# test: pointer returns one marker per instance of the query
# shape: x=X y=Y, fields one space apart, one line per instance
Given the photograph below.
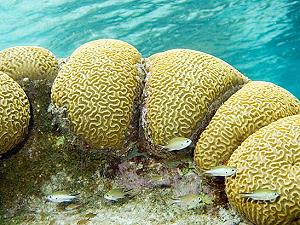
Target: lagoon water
x=259 y=38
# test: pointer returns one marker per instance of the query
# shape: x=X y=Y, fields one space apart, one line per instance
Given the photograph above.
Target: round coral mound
x=99 y=86
x=269 y=158
x=14 y=113
x=28 y=62
x=256 y=105
x=181 y=86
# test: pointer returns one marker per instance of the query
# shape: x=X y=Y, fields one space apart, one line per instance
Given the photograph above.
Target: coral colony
x=112 y=97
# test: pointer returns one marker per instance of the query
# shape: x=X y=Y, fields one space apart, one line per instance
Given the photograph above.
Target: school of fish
x=190 y=199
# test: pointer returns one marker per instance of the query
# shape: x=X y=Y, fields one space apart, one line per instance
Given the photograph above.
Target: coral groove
x=269 y=158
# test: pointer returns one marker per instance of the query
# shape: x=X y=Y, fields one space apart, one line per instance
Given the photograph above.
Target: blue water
x=259 y=38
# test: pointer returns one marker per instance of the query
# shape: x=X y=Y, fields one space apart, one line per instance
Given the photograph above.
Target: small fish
x=221 y=171
x=72 y=206
x=159 y=181
x=261 y=194
x=83 y=222
x=90 y=215
x=188 y=199
x=62 y=196
x=116 y=194
x=178 y=143
x=206 y=200
x=156 y=178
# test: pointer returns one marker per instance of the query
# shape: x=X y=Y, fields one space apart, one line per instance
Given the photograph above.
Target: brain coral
x=269 y=158
x=14 y=113
x=256 y=105
x=99 y=87
x=28 y=61
x=180 y=87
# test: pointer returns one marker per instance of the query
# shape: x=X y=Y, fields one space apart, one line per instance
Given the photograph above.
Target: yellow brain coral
x=14 y=113
x=256 y=105
x=28 y=61
x=99 y=87
x=269 y=158
x=180 y=87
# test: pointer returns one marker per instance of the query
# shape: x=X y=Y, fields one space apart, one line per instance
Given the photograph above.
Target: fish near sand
x=188 y=199
x=156 y=178
x=221 y=171
x=116 y=194
x=62 y=196
x=261 y=194
x=177 y=143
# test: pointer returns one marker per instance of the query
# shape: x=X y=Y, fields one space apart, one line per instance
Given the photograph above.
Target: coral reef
x=254 y=106
x=180 y=88
x=99 y=87
x=28 y=62
x=14 y=113
x=128 y=107
x=269 y=158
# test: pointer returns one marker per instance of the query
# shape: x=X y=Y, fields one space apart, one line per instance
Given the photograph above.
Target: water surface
x=259 y=38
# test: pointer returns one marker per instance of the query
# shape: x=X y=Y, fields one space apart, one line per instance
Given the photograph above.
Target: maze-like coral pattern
x=14 y=113
x=269 y=158
x=84 y=59
x=256 y=105
x=99 y=86
x=181 y=85
x=28 y=61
